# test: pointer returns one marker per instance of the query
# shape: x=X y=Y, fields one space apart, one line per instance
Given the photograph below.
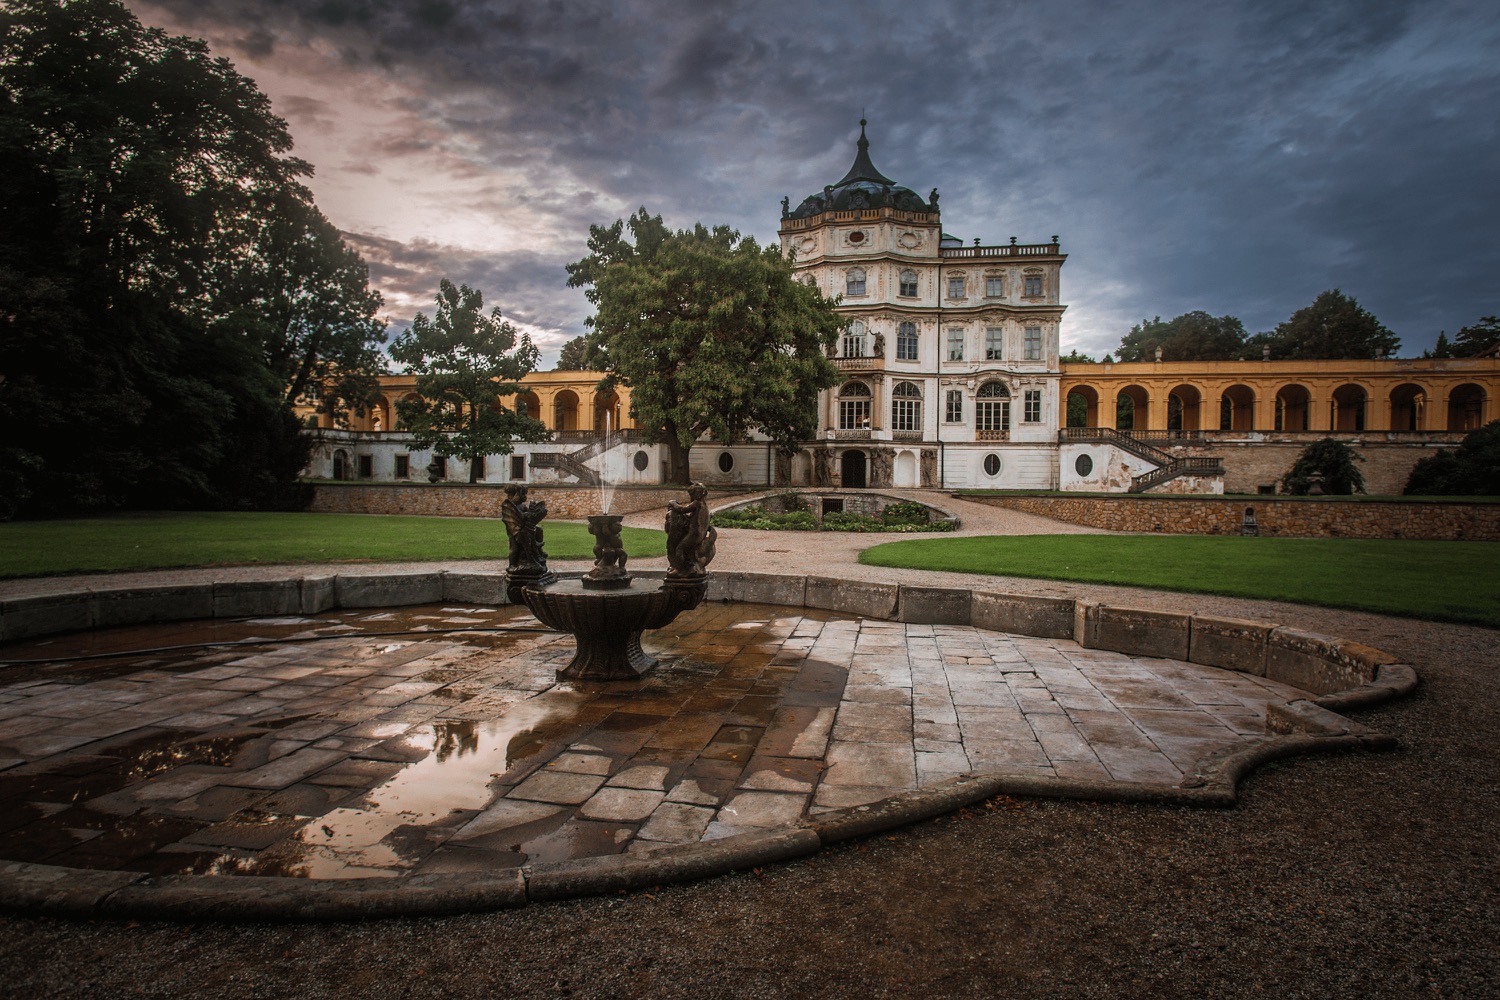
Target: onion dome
x=863 y=187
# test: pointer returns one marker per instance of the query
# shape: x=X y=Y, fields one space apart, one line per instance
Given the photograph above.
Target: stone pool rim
x=1340 y=674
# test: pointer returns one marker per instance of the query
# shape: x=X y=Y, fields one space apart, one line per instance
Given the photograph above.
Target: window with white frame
x=906 y=407
x=1032 y=405
x=994 y=286
x=909 y=283
x=854 y=406
x=955 y=286
x=906 y=342
x=1033 y=343
x=854 y=281
x=994 y=343
x=953 y=410
x=992 y=411
x=955 y=343
x=1033 y=284
x=854 y=341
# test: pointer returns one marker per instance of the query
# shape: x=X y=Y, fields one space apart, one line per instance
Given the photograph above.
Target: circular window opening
x=856 y=237
x=992 y=465
x=726 y=461
x=641 y=460
x=1084 y=465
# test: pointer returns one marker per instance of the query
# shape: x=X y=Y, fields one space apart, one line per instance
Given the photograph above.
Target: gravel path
x=1345 y=875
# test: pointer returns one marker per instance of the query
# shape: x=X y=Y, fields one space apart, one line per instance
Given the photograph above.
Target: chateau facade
x=951 y=379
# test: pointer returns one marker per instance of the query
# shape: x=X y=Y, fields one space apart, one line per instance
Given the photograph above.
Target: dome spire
x=863 y=169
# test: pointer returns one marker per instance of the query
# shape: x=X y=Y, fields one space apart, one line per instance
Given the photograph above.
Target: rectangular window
x=955 y=344
x=956 y=288
x=438 y=468
x=994 y=286
x=954 y=412
x=906 y=415
x=1033 y=343
x=366 y=466
x=994 y=343
x=854 y=414
x=1033 y=286
x=476 y=467
x=403 y=466
x=906 y=342
x=518 y=466
x=1033 y=406
x=909 y=283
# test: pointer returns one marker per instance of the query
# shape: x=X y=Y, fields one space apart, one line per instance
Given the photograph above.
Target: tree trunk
x=677 y=458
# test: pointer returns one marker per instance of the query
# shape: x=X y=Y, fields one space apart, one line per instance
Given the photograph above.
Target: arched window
x=906 y=407
x=854 y=282
x=992 y=412
x=854 y=340
x=906 y=342
x=854 y=406
x=909 y=283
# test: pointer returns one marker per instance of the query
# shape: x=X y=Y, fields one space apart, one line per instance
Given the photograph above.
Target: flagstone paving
x=350 y=747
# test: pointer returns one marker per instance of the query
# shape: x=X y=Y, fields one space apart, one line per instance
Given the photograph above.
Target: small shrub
x=791 y=501
x=907 y=512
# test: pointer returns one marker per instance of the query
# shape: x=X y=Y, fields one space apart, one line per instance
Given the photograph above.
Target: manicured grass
x=1443 y=581
x=163 y=540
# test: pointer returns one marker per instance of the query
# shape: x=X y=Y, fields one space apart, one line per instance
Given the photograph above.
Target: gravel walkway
x=1347 y=875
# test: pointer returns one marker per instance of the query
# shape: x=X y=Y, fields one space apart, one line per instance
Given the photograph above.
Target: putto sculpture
x=604 y=610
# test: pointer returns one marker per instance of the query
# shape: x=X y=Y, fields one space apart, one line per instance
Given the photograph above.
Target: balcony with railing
x=1008 y=250
x=992 y=434
x=870 y=364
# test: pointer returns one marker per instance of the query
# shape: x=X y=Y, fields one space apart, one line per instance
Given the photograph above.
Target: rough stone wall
x=483 y=500
x=1252 y=463
x=1287 y=516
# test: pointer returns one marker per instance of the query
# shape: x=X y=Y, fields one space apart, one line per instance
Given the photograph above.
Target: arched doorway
x=1083 y=407
x=565 y=411
x=527 y=405
x=1185 y=409
x=1130 y=408
x=1466 y=407
x=1237 y=409
x=606 y=412
x=1348 y=408
x=852 y=467
x=1408 y=407
x=1293 y=408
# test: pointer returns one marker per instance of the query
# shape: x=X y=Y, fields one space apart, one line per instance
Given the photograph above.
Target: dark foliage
x=1328 y=463
x=1473 y=469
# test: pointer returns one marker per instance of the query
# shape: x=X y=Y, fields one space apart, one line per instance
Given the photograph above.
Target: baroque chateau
x=951 y=378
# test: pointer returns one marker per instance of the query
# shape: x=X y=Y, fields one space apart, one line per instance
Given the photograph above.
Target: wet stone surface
x=353 y=745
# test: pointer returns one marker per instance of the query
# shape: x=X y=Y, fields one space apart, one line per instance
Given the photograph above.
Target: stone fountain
x=605 y=611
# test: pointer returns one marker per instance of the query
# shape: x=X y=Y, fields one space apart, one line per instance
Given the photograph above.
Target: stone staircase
x=574 y=463
x=1168 y=466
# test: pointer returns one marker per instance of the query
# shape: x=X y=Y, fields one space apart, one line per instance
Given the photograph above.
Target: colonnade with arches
x=1454 y=396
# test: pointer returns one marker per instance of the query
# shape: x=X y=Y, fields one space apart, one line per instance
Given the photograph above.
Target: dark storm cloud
x=1238 y=158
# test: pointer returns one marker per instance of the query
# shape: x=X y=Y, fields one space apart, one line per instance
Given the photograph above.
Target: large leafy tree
x=1334 y=327
x=138 y=168
x=572 y=356
x=710 y=331
x=1193 y=336
x=465 y=362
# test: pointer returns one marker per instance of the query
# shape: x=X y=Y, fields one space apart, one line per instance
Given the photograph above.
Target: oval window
x=1084 y=465
x=726 y=461
x=856 y=237
x=992 y=465
x=641 y=460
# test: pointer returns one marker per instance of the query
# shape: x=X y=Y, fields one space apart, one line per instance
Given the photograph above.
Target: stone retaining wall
x=565 y=503
x=1287 y=516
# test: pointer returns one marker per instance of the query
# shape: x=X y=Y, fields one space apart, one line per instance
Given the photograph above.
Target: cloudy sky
x=1232 y=157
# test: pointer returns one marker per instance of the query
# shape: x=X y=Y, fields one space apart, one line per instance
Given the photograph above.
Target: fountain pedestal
x=604 y=610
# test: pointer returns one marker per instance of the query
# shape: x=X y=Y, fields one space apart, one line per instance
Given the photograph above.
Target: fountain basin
x=608 y=623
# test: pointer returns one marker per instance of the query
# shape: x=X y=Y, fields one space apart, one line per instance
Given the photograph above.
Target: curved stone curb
x=947 y=516
x=1342 y=675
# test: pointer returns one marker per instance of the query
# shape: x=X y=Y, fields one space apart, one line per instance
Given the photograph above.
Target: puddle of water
x=356 y=841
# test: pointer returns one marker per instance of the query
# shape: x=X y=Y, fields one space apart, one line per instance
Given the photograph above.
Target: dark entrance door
x=852 y=470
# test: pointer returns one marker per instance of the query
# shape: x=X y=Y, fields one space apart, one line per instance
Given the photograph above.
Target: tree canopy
x=153 y=216
x=1334 y=327
x=571 y=357
x=466 y=363
x=1477 y=339
x=1473 y=469
x=1193 y=336
x=710 y=331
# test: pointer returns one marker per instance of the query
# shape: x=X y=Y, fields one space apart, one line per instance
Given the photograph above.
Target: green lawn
x=162 y=540
x=1443 y=581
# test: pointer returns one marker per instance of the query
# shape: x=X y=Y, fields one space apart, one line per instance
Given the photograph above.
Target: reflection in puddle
x=365 y=840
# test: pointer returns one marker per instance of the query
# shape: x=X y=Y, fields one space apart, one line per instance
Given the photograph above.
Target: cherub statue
x=690 y=536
